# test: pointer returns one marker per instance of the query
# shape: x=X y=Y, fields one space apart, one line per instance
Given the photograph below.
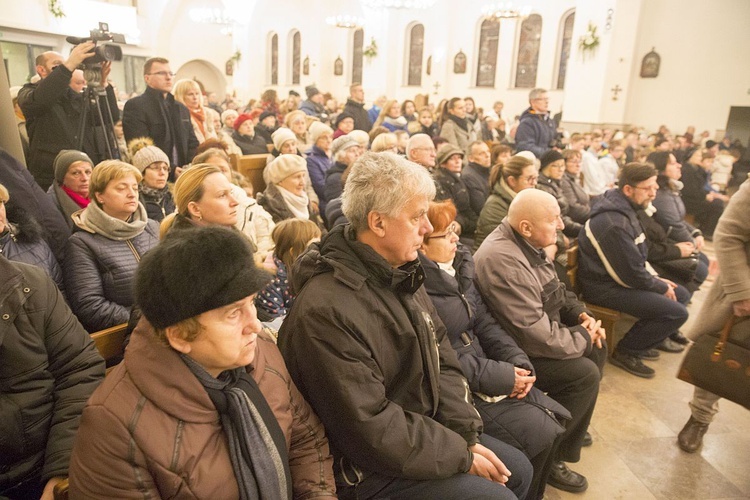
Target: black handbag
x=720 y=362
x=681 y=269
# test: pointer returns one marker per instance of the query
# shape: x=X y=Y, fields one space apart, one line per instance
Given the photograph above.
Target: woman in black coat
x=499 y=373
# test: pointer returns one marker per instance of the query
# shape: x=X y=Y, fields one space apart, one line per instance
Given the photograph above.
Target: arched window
x=487 y=61
x=273 y=58
x=563 y=54
x=416 y=48
x=296 y=45
x=358 y=43
x=528 y=51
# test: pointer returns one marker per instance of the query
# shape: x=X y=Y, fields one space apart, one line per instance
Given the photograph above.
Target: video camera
x=92 y=65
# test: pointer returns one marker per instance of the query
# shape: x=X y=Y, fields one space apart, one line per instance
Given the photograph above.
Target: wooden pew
x=609 y=317
x=251 y=166
x=109 y=343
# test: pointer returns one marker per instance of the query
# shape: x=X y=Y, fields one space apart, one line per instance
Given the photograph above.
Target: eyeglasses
x=429 y=150
x=451 y=230
x=158 y=169
x=163 y=73
x=531 y=179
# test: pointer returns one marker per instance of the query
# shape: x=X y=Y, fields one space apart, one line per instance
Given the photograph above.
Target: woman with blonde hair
x=291 y=238
x=252 y=220
x=188 y=92
x=390 y=117
x=385 y=142
x=111 y=235
x=296 y=121
x=203 y=197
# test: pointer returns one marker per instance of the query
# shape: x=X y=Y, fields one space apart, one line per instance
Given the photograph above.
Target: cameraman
x=53 y=111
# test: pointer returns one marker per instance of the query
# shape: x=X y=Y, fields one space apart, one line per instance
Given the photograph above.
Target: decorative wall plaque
x=650 y=64
x=338 y=67
x=459 y=63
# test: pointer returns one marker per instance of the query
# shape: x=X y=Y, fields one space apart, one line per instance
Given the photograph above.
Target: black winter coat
x=450 y=186
x=99 y=275
x=361 y=119
x=48 y=369
x=23 y=242
x=571 y=228
x=333 y=187
x=254 y=145
x=53 y=112
x=158 y=209
x=488 y=355
x=147 y=115
x=535 y=133
x=26 y=193
x=368 y=351
x=476 y=178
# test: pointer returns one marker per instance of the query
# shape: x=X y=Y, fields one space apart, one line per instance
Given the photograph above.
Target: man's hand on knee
x=487 y=465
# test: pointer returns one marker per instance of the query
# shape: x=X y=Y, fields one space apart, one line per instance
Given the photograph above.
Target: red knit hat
x=241 y=119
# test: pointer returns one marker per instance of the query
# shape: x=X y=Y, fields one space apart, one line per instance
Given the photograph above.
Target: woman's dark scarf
x=257 y=447
x=461 y=122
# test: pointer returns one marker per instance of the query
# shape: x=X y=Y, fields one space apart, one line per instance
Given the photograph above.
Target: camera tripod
x=99 y=118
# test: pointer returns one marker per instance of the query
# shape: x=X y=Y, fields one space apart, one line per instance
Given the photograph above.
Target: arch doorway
x=206 y=74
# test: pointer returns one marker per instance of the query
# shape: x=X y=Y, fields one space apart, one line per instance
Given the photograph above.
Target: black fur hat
x=193 y=271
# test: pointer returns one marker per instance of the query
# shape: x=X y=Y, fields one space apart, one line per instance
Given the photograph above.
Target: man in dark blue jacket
x=614 y=271
x=537 y=130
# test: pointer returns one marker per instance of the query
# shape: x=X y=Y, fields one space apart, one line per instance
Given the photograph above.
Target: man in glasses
x=156 y=114
x=614 y=271
x=565 y=344
x=53 y=111
x=537 y=130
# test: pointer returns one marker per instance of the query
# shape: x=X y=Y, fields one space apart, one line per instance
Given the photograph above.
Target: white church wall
x=704 y=49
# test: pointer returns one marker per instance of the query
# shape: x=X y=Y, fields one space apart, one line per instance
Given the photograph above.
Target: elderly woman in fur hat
x=203 y=405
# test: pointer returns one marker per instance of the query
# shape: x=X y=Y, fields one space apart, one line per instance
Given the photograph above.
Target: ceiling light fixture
x=505 y=10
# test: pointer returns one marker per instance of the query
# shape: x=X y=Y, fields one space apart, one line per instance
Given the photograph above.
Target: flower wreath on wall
x=588 y=42
x=55 y=8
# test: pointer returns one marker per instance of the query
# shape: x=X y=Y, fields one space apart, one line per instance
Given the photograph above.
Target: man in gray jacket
x=563 y=341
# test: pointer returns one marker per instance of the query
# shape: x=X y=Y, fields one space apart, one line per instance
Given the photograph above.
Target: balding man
x=563 y=341
x=421 y=150
x=78 y=81
x=53 y=112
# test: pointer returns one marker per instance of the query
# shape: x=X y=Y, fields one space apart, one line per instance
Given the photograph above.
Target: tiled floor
x=635 y=453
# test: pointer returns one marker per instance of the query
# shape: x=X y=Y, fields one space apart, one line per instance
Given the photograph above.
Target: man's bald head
x=420 y=149
x=535 y=215
x=47 y=61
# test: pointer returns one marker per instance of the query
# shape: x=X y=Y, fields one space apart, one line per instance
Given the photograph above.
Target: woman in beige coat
x=730 y=294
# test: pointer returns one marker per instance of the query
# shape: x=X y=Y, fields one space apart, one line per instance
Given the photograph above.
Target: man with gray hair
x=368 y=351
x=537 y=129
x=421 y=150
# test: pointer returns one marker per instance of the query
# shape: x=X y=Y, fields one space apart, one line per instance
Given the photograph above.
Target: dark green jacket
x=49 y=367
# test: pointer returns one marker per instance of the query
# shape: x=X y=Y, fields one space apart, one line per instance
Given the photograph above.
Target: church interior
x=614 y=64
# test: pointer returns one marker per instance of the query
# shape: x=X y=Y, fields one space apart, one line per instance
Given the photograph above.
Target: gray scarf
x=257 y=447
x=94 y=220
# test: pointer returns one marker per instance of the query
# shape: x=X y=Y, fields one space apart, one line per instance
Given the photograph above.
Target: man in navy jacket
x=614 y=271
